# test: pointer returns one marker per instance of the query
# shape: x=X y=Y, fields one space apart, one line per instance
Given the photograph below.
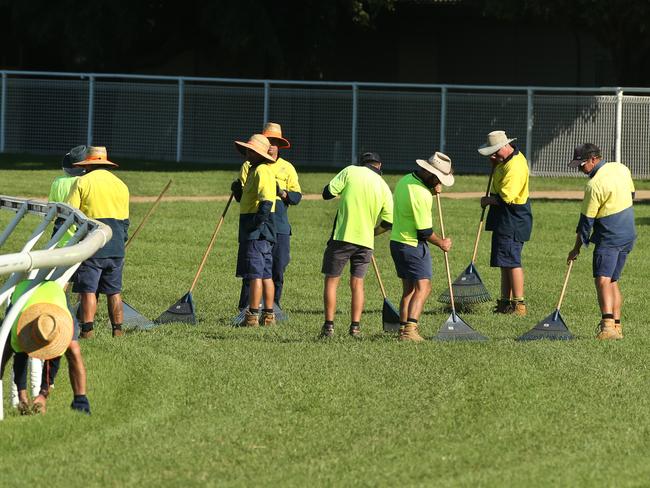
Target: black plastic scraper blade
x=552 y=327
x=181 y=312
x=455 y=329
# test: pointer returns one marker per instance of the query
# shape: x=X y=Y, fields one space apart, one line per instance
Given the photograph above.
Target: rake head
x=468 y=289
x=181 y=312
x=390 y=317
x=456 y=329
x=135 y=320
x=552 y=328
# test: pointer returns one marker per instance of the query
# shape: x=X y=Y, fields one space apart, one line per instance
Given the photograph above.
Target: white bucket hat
x=495 y=141
x=440 y=165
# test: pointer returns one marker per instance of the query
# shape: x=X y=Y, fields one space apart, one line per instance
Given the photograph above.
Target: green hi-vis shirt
x=413 y=210
x=59 y=192
x=46 y=292
x=286 y=179
x=365 y=201
x=259 y=187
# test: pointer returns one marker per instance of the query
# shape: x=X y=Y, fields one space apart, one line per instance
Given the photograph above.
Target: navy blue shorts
x=338 y=253
x=609 y=261
x=99 y=275
x=411 y=263
x=255 y=260
x=506 y=252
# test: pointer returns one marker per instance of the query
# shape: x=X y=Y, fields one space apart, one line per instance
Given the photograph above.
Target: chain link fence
x=329 y=123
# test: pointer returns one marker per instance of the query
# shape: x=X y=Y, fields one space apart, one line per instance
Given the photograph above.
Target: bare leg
x=268 y=288
x=255 y=293
x=115 y=308
x=605 y=293
x=618 y=300
x=88 y=306
x=422 y=292
x=329 y=296
x=408 y=289
x=358 y=298
x=516 y=278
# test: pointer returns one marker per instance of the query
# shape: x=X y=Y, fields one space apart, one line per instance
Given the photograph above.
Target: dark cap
x=583 y=152
x=75 y=155
x=369 y=157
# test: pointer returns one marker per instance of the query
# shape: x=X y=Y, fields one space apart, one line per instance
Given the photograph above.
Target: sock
x=87 y=326
x=117 y=326
x=354 y=324
x=412 y=320
x=402 y=323
x=608 y=316
x=254 y=311
x=329 y=322
x=267 y=310
x=617 y=321
x=518 y=299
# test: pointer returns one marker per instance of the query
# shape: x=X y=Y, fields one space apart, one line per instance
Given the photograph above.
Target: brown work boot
x=519 y=308
x=504 y=305
x=251 y=319
x=268 y=319
x=619 y=328
x=608 y=330
x=117 y=331
x=410 y=333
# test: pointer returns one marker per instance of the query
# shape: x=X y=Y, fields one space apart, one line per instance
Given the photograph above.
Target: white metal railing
x=50 y=263
x=184 y=118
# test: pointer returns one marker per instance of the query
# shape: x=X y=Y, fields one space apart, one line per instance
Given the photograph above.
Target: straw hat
x=274 y=131
x=258 y=143
x=96 y=155
x=44 y=330
x=440 y=165
x=495 y=141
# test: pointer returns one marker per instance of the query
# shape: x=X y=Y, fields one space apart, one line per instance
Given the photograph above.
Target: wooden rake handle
x=381 y=283
x=147 y=215
x=480 y=224
x=212 y=241
x=442 y=230
x=566 y=282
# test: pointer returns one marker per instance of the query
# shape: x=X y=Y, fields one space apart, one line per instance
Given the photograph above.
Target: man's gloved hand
x=81 y=404
x=237 y=189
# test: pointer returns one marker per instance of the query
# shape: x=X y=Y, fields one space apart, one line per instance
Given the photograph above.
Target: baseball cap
x=583 y=152
x=369 y=157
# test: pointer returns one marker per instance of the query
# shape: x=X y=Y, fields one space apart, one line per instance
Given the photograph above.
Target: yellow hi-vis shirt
x=102 y=196
x=59 y=191
x=259 y=187
x=365 y=200
x=413 y=210
x=510 y=180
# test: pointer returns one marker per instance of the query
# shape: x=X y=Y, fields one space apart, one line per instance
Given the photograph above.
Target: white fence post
x=267 y=101
x=91 y=110
x=529 y=128
x=443 y=118
x=3 y=110
x=179 y=120
x=619 y=124
x=355 y=115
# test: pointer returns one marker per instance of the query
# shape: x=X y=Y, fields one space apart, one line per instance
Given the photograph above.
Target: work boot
x=519 y=308
x=251 y=319
x=355 y=331
x=327 y=330
x=619 y=328
x=410 y=333
x=117 y=331
x=86 y=331
x=608 y=330
x=504 y=305
x=268 y=319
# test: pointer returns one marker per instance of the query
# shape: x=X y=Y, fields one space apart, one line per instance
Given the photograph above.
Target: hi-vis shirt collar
x=597 y=167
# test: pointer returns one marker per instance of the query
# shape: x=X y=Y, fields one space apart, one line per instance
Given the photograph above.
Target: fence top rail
x=252 y=81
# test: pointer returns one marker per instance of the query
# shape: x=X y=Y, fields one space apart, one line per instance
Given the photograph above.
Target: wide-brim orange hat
x=44 y=330
x=96 y=155
x=257 y=143
x=274 y=131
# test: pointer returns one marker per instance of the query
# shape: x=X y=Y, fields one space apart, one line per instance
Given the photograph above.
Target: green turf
x=188 y=405
x=31 y=176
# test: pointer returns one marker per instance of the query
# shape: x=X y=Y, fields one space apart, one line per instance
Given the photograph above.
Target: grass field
x=185 y=405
